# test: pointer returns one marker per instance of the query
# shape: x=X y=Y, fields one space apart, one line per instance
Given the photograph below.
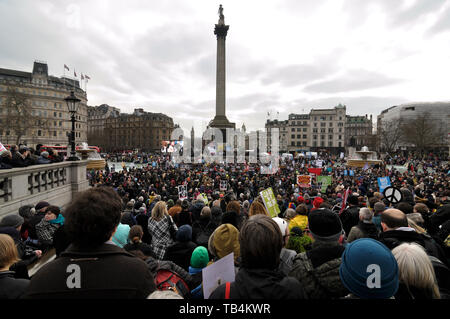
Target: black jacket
x=11 y=288
x=394 y=238
x=106 y=272
x=349 y=218
x=232 y=218
x=180 y=253
x=261 y=284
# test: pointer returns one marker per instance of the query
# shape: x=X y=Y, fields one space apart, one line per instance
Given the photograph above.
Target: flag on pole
x=66 y=67
x=344 y=201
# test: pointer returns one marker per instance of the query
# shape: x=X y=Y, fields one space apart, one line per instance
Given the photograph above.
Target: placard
x=270 y=202
x=218 y=273
x=325 y=181
x=383 y=183
x=304 y=180
x=182 y=192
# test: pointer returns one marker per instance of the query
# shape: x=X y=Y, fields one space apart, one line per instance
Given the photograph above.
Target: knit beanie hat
x=324 y=223
x=317 y=201
x=12 y=220
x=282 y=224
x=170 y=203
x=224 y=240
x=184 y=233
x=362 y=261
x=200 y=257
x=41 y=205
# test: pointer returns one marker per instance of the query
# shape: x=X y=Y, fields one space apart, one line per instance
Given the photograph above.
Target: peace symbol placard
x=393 y=195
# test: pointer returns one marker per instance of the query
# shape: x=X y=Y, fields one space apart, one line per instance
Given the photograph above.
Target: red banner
x=316 y=171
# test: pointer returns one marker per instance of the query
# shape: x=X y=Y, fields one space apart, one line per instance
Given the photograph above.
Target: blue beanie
x=184 y=233
x=364 y=258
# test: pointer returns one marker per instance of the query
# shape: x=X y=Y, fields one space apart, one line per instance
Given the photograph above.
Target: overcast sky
x=285 y=56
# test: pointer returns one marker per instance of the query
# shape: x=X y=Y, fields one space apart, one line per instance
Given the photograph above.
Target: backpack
x=169 y=280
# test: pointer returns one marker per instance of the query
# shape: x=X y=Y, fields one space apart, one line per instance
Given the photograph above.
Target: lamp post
x=72 y=104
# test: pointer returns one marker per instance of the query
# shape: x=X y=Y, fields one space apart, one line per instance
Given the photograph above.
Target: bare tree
x=388 y=134
x=19 y=119
x=422 y=132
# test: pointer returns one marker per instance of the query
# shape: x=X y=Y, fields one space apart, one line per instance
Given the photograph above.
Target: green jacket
x=317 y=271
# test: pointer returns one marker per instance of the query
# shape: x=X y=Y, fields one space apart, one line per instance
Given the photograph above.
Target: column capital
x=221 y=30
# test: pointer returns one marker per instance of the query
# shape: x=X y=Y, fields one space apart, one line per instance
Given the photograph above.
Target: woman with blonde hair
x=162 y=229
x=416 y=273
x=10 y=288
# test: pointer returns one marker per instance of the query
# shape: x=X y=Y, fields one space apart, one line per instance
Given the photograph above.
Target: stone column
x=221 y=31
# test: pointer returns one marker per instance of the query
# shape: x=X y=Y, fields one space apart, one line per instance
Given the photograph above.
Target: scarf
x=58 y=220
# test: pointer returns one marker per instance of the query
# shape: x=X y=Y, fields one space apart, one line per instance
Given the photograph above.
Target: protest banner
x=223 y=185
x=270 y=202
x=316 y=171
x=383 y=182
x=304 y=180
x=182 y=192
x=325 y=181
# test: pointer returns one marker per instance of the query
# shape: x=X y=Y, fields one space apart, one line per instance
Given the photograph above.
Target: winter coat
x=180 y=253
x=298 y=221
x=261 y=284
x=183 y=218
x=11 y=288
x=363 y=230
x=143 y=247
x=160 y=232
x=106 y=271
x=200 y=233
x=349 y=218
x=45 y=231
x=232 y=218
x=142 y=220
x=317 y=270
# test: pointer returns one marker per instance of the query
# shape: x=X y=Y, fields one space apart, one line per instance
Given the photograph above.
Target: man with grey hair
x=365 y=228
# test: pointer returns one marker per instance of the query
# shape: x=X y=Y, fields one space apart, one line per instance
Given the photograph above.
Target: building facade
x=437 y=113
x=320 y=129
x=44 y=94
x=97 y=116
x=359 y=132
x=140 y=130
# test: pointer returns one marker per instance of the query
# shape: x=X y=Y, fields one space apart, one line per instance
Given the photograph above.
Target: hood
x=261 y=284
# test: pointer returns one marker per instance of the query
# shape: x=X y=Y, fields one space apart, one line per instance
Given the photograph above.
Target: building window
x=39 y=133
x=292 y=143
x=304 y=143
x=330 y=144
x=330 y=130
x=340 y=144
x=314 y=144
x=330 y=137
x=322 y=137
x=340 y=137
x=304 y=129
x=323 y=124
x=315 y=137
x=54 y=114
x=292 y=129
x=304 y=135
x=331 y=124
x=322 y=130
x=298 y=144
x=293 y=136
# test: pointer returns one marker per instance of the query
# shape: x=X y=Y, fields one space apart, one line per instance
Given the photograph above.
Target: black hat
x=353 y=200
x=184 y=204
x=324 y=223
x=12 y=220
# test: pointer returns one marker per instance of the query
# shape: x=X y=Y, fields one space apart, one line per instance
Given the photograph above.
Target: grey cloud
x=352 y=80
x=442 y=24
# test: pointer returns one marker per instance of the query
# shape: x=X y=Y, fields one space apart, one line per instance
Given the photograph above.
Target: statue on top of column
x=221 y=16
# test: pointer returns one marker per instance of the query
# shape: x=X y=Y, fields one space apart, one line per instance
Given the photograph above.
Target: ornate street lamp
x=72 y=104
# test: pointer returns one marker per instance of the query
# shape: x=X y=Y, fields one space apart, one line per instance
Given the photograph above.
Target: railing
x=56 y=183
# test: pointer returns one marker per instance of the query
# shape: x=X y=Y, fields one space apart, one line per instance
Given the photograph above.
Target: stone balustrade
x=55 y=183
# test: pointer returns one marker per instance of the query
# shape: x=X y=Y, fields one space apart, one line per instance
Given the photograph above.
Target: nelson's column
x=220 y=121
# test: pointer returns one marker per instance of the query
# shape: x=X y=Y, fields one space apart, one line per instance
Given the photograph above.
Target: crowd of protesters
x=23 y=156
x=322 y=245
